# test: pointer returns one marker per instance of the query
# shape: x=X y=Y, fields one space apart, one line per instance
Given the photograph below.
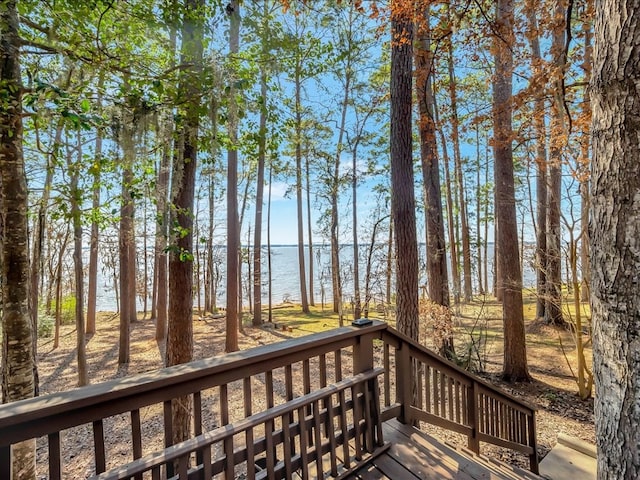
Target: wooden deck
x=337 y=402
x=414 y=455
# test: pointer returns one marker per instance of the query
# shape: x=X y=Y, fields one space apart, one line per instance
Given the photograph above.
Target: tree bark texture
x=233 y=227
x=615 y=236
x=437 y=277
x=17 y=329
x=540 y=130
x=180 y=312
x=403 y=202
x=515 y=353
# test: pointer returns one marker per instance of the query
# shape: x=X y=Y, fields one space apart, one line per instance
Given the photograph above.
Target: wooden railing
x=245 y=405
x=430 y=389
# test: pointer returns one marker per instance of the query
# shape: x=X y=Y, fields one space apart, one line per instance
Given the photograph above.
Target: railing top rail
x=166 y=382
x=437 y=359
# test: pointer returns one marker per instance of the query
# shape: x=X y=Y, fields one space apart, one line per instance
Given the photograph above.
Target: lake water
x=286 y=275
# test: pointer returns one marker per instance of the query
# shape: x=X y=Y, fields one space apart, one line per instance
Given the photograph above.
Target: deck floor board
x=416 y=455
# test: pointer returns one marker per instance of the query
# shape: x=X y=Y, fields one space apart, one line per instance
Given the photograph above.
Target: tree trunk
x=95 y=229
x=298 y=153
x=459 y=177
x=403 y=202
x=553 y=309
x=76 y=219
x=126 y=238
x=18 y=335
x=307 y=175
x=453 y=246
x=541 y=162
x=180 y=312
x=515 y=353
x=583 y=168
x=257 y=238
x=437 y=277
x=233 y=233
x=615 y=236
x=162 y=234
x=357 y=302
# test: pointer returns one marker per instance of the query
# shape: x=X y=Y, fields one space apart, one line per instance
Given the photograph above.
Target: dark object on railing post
x=533 y=458
x=5 y=462
x=404 y=380
x=473 y=415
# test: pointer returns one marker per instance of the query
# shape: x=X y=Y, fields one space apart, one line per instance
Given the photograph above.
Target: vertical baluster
x=269 y=426
x=443 y=395
x=5 y=461
x=427 y=387
x=457 y=400
x=357 y=415
x=287 y=445
x=369 y=426
x=304 y=460
x=306 y=384
x=474 y=416
x=168 y=425
x=248 y=435
x=168 y=432
x=344 y=428
x=206 y=462
x=98 y=447
x=288 y=380
x=318 y=438
x=55 y=459
x=436 y=396
x=229 y=470
x=419 y=379
x=323 y=383
x=332 y=436
x=338 y=365
x=197 y=421
x=387 y=375
x=136 y=436
x=183 y=466
x=450 y=382
x=155 y=472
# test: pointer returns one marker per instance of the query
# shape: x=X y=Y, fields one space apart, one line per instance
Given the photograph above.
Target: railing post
x=404 y=378
x=5 y=462
x=533 y=458
x=474 y=419
x=363 y=353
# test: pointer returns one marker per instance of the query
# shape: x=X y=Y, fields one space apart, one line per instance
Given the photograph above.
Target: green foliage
x=68 y=310
x=46 y=324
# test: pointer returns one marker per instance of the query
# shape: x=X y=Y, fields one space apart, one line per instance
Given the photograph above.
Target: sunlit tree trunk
x=17 y=329
x=438 y=279
x=180 y=312
x=615 y=236
x=126 y=239
x=233 y=229
x=541 y=161
x=515 y=353
x=403 y=202
x=558 y=142
x=453 y=246
x=262 y=140
x=583 y=168
x=76 y=219
x=298 y=153
x=95 y=229
x=459 y=177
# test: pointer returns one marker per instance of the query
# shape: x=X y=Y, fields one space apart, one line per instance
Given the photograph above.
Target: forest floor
x=552 y=389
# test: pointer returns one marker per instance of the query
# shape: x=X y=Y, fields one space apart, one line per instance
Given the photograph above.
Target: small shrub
x=68 y=310
x=45 y=325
